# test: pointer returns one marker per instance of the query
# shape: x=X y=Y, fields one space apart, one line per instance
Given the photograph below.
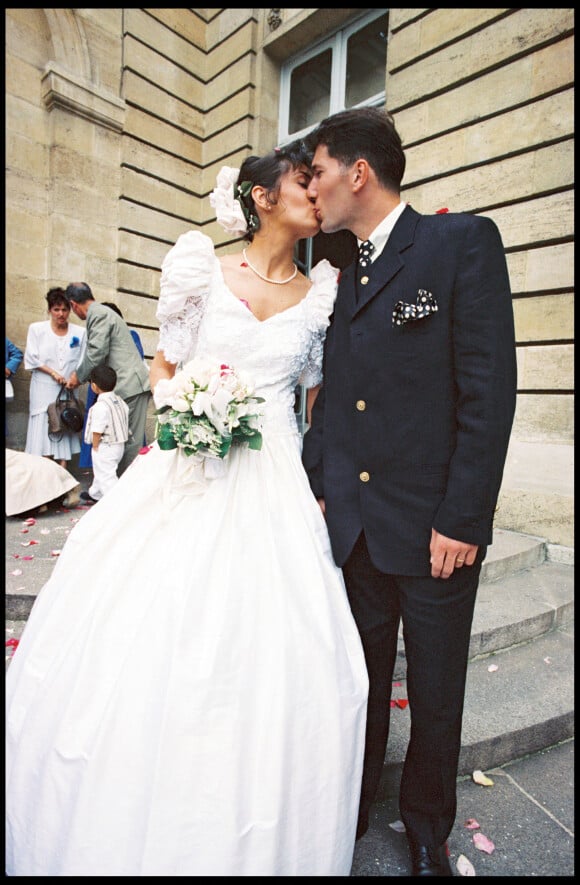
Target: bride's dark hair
x=266 y=171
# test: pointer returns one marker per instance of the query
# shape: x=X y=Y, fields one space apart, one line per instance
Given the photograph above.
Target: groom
x=407 y=448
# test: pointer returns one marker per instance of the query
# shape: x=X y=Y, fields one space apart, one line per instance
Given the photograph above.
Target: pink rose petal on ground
x=28 y=543
x=471 y=824
x=464 y=866
x=492 y=668
x=397 y=684
x=17 y=571
x=24 y=531
x=55 y=552
x=30 y=521
x=12 y=643
x=483 y=843
x=27 y=558
x=402 y=703
x=547 y=660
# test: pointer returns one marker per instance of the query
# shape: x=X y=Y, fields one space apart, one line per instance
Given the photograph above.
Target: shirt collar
x=382 y=231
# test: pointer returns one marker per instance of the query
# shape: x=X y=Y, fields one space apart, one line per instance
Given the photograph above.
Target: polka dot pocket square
x=424 y=306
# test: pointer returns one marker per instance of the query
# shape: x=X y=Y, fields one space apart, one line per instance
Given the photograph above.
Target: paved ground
x=528 y=813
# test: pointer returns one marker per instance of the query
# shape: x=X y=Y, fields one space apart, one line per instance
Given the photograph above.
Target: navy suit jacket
x=411 y=427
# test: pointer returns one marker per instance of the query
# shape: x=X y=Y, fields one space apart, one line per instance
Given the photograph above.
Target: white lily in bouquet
x=207 y=408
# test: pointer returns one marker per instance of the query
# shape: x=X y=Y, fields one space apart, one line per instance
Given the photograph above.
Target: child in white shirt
x=107 y=431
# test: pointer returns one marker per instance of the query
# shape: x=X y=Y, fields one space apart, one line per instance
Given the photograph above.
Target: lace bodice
x=200 y=316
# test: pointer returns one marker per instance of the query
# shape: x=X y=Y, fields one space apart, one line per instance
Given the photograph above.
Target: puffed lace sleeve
x=185 y=283
x=319 y=304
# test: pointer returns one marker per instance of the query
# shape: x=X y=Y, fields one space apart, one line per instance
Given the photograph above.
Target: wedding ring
x=459 y=560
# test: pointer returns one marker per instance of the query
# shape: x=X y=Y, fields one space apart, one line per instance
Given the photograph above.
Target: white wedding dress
x=189 y=694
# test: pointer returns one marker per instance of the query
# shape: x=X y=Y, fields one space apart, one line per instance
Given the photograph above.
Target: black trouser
x=436 y=615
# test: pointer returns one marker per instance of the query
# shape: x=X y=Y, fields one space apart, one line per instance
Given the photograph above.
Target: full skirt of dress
x=189 y=694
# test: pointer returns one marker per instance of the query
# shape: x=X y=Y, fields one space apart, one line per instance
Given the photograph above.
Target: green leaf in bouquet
x=165 y=437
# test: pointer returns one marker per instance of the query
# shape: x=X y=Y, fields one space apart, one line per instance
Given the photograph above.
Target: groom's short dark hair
x=369 y=133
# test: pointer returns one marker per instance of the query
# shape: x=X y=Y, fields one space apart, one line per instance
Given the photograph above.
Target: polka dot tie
x=365 y=250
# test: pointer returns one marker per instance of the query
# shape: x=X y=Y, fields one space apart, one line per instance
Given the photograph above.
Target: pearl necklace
x=267 y=279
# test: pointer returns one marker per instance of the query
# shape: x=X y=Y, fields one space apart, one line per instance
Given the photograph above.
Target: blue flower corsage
x=74 y=342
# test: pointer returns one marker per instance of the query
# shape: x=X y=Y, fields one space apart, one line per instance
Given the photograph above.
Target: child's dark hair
x=266 y=171
x=104 y=377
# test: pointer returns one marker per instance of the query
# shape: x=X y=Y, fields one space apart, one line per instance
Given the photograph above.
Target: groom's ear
x=359 y=172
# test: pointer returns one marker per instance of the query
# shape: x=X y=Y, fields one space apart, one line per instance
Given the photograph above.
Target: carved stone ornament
x=274 y=19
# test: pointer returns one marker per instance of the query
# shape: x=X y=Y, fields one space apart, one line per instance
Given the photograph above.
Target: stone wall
x=117 y=121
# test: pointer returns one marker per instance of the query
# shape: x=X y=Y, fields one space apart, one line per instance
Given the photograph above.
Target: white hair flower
x=224 y=200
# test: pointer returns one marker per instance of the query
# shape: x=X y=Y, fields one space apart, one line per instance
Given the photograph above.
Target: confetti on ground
x=464 y=866
x=492 y=668
x=16 y=572
x=471 y=824
x=480 y=778
x=28 y=543
x=482 y=843
x=398 y=826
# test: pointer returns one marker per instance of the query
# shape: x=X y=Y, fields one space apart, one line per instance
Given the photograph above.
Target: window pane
x=366 y=61
x=310 y=91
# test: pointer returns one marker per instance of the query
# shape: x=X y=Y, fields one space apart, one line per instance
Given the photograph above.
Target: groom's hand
x=447 y=555
x=322 y=505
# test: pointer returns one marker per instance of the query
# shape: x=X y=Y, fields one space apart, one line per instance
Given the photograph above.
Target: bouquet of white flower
x=207 y=408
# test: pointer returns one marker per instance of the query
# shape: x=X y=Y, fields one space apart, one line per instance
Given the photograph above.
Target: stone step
x=511 y=552
x=523 y=624
x=527 y=704
x=522 y=594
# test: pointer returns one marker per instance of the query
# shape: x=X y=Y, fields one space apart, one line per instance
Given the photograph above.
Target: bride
x=189 y=694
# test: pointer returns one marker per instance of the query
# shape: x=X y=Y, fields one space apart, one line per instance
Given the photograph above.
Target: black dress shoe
x=428 y=861
x=84 y=496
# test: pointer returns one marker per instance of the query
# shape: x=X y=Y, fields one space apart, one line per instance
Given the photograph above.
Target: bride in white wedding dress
x=189 y=694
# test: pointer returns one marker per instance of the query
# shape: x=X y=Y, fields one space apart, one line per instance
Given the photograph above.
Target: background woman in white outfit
x=53 y=350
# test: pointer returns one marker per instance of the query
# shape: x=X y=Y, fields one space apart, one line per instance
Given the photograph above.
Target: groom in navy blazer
x=407 y=447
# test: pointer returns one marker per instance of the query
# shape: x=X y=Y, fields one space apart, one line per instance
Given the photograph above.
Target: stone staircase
x=523 y=626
